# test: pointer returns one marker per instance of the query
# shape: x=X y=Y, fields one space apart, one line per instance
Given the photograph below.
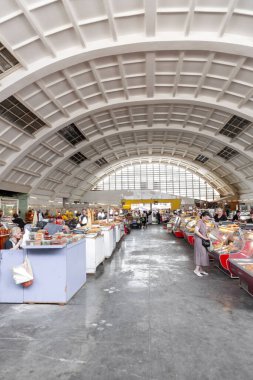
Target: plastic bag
x=23 y=274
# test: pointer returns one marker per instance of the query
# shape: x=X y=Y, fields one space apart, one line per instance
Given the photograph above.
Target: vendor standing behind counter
x=52 y=228
x=15 y=240
x=237 y=216
x=220 y=216
x=83 y=220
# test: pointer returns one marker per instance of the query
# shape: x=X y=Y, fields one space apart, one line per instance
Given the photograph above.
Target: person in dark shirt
x=220 y=216
x=19 y=221
x=237 y=215
x=15 y=240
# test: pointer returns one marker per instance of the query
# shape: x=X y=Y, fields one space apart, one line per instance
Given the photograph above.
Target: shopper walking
x=201 y=258
x=158 y=217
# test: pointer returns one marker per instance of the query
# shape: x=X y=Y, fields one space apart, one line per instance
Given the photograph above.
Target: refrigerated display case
x=171 y=223
x=189 y=231
x=241 y=264
x=226 y=241
x=176 y=228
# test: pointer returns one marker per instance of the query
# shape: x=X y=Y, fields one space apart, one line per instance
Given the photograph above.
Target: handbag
x=206 y=243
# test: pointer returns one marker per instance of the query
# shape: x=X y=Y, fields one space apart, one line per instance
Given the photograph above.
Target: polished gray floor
x=145 y=315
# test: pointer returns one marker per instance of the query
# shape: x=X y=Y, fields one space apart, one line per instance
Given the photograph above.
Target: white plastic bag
x=23 y=273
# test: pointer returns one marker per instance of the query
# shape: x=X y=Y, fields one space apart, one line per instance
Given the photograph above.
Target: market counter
x=95 y=252
x=243 y=268
x=59 y=272
x=190 y=237
x=118 y=235
x=108 y=242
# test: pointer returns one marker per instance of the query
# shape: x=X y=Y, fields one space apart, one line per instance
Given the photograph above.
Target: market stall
x=95 y=252
x=176 y=228
x=171 y=223
x=243 y=269
x=241 y=264
x=189 y=231
x=107 y=233
x=59 y=272
x=226 y=241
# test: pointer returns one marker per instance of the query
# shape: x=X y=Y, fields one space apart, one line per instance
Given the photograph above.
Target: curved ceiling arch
x=169 y=160
x=26 y=75
x=189 y=149
x=114 y=69
x=195 y=126
x=204 y=146
x=212 y=180
x=169 y=152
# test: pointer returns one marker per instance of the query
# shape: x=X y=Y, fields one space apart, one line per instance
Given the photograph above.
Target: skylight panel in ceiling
x=227 y=153
x=234 y=126
x=15 y=112
x=7 y=61
x=102 y=161
x=78 y=158
x=72 y=134
x=201 y=158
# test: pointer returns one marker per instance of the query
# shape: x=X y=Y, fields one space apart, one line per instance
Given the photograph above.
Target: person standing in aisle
x=83 y=220
x=201 y=257
x=158 y=217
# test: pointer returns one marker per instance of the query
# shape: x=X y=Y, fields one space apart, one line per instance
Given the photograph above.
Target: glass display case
x=176 y=228
x=189 y=230
x=190 y=226
x=241 y=264
x=185 y=220
x=171 y=223
x=225 y=242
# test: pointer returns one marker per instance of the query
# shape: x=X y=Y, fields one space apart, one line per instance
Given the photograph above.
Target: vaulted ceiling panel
x=137 y=78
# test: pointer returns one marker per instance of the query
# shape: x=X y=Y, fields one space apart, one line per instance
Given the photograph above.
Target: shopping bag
x=23 y=274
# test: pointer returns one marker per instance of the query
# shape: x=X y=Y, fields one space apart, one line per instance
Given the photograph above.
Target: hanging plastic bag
x=23 y=274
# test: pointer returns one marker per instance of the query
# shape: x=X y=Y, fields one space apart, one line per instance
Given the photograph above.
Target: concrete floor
x=145 y=315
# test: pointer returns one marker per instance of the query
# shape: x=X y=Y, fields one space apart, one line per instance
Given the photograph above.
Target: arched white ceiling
x=138 y=78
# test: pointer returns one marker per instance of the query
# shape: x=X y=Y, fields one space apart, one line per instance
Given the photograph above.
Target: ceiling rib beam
x=150 y=17
x=26 y=171
x=111 y=20
x=36 y=28
x=189 y=18
x=69 y=10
